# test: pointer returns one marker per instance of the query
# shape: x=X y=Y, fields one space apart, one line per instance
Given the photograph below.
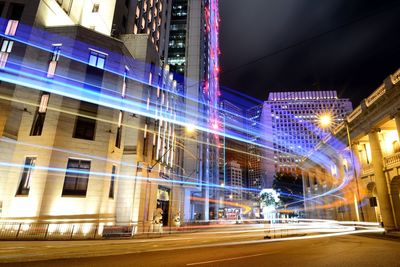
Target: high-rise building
x=193 y=50
x=232 y=119
x=254 y=152
x=177 y=37
x=292 y=126
x=148 y=17
x=234 y=181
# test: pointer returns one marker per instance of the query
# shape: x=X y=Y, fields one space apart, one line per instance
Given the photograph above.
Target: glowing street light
x=325 y=120
x=190 y=128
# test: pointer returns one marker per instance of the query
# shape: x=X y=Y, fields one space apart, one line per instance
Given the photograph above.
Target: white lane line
x=226 y=259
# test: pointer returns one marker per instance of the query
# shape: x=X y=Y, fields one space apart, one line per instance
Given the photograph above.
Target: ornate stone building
x=361 y=183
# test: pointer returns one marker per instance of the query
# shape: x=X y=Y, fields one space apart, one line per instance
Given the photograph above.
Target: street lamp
x=190 y=128
x=325 y=122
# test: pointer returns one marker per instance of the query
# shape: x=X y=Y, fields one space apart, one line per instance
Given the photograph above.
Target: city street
x=199 y=133
x=331 y=251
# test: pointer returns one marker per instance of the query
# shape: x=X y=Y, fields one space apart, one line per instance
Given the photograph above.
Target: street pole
x=354 y=172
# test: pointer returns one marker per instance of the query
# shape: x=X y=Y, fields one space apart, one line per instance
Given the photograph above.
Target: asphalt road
x=330 y=251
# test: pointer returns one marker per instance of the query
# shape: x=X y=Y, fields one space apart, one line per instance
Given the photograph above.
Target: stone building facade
x=361 y=183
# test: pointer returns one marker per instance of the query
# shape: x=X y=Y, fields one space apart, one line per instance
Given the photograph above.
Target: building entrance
x=163 y=198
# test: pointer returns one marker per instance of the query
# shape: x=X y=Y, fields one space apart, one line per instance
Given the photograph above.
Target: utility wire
x=372 y=14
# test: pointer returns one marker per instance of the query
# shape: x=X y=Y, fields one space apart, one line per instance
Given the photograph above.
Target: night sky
x=349 y=45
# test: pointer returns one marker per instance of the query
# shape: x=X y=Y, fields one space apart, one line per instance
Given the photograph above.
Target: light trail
x=33 y=77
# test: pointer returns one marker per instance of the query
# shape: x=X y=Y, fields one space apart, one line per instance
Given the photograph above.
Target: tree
x=289 y=186
x=267 y=199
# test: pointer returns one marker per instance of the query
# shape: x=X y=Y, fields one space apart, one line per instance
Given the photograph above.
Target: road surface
x=347 y=250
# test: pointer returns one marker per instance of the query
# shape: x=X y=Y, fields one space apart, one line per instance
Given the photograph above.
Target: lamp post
x=325 y=121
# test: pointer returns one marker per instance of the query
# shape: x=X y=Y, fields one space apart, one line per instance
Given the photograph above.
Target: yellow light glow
x=190 y=128
x=325 y=120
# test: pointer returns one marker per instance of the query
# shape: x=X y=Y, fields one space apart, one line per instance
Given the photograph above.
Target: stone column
x=380 y=180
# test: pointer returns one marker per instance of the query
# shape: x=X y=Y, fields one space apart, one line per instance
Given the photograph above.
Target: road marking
x=227 y=259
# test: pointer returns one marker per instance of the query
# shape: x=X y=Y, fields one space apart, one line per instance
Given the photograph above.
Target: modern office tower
x=149 y=17
x=254 y=152
x=293 y=121
x=177 y=37
x=234 y=181
x=232 y=149
x=86 y=130
x=194 y=52
x=233 y=119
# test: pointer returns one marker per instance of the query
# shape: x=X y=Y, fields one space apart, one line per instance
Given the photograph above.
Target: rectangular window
x=112 y=182
x=25 y=181
x=95 y=8
x=38 y=121
x=44 y=102
x=85 y=127
x=125 y=82
x=55 y=56
x=7 y=46
x=1 y=7
x=12 y=26
x=15 y=11
x=76 y=178
x=97 y=59
x=145 y=143
x=119 y=130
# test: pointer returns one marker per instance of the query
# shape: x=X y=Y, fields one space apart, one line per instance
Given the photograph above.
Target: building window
x=12 y=26
x=38 y=121
x=77 y=178
x=85 y=127
x=125 y=82
x=144 y=147
x=6 y=49
x=25 y=181
x=119 y=130
x=15 y=11
x=55 y=56
x=95 y=8
x=7 y=46
x=97 y=59
x=112 y=182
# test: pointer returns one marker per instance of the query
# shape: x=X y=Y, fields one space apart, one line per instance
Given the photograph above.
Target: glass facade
x=177 y=38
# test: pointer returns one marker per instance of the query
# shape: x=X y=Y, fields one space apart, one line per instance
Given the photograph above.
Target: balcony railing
x=392 y=160
x=375 y=95
x=396 y=77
